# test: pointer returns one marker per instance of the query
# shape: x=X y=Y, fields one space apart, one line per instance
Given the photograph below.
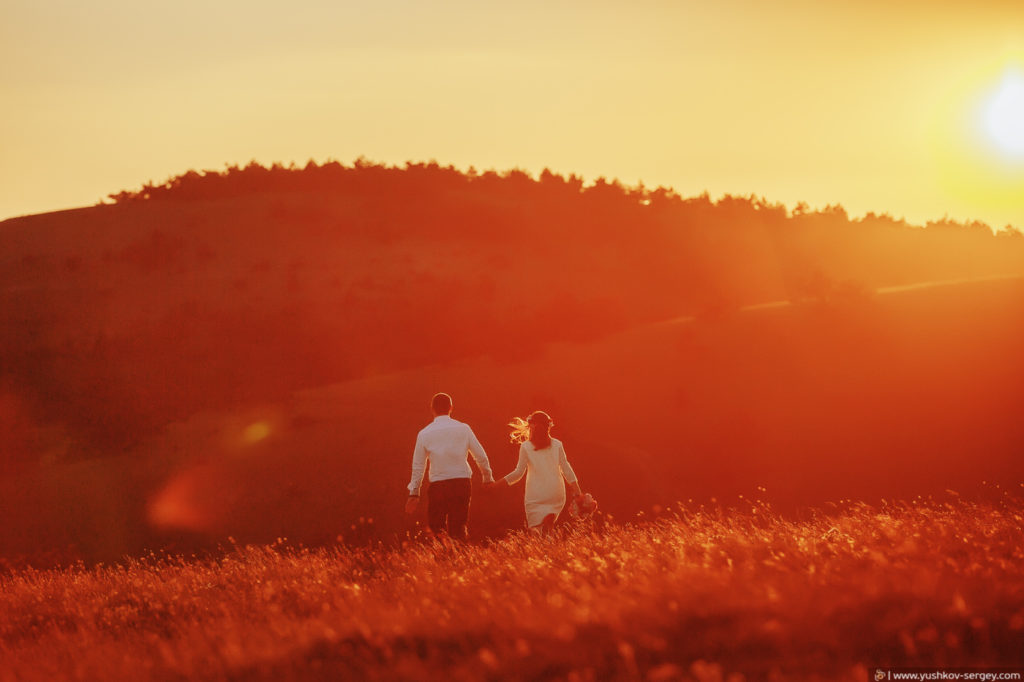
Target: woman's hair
x=521 y=429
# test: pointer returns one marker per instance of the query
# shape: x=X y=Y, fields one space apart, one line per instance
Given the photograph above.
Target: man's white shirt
x=445 y=443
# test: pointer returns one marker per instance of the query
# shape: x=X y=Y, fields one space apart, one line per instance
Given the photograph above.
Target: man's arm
x=419 y=466
x=480 y=457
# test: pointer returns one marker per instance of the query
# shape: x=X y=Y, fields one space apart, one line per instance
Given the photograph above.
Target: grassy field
x=698 y=593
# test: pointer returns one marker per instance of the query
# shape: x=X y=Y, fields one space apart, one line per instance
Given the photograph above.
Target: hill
x=887 y=396
x=222 y=288
x=250 y=351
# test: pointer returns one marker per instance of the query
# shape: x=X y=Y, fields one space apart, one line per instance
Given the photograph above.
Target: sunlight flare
x=256 y=432
x=1004 y=115
x=175 y=506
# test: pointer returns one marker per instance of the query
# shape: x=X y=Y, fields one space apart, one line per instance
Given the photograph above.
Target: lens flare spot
x=176 y=506
x=256 y=432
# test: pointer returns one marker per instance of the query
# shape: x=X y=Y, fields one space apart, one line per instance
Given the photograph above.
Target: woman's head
x=540 y=422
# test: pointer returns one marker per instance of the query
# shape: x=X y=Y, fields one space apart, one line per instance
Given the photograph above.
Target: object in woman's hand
x=583 y=505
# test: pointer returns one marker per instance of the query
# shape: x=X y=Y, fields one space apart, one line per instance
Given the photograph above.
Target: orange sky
x=877 y=108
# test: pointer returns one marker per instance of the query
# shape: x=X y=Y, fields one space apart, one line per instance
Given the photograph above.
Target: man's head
x=441 y=404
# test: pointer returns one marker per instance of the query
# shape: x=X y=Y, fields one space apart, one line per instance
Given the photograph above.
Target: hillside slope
x=218 y=290
x=892 y=395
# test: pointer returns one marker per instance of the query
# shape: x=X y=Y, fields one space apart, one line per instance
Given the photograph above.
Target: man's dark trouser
x=448 y=506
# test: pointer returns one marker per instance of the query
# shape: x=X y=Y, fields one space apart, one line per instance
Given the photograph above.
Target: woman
x=542 y=459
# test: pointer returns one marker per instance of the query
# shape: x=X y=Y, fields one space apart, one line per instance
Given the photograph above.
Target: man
x=445 y=443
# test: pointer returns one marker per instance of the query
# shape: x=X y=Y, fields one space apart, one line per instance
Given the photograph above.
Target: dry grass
x=701 y=594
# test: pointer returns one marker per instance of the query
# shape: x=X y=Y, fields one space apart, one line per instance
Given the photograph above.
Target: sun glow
x=1004 y=115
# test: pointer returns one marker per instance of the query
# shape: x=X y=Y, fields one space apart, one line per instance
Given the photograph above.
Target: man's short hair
x=441 y=403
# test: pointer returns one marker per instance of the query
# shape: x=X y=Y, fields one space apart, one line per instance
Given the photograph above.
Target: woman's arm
x=567 y=472
x=520 y=469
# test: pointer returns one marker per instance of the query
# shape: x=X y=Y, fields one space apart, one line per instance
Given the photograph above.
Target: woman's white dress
x=544 y=469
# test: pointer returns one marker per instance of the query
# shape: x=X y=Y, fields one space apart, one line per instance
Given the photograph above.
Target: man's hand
x=411 y=504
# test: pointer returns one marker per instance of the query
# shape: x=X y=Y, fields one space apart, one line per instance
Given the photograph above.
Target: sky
x=909 y=108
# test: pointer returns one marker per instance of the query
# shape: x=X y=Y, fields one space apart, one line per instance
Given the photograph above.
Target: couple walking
x=446 y=443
